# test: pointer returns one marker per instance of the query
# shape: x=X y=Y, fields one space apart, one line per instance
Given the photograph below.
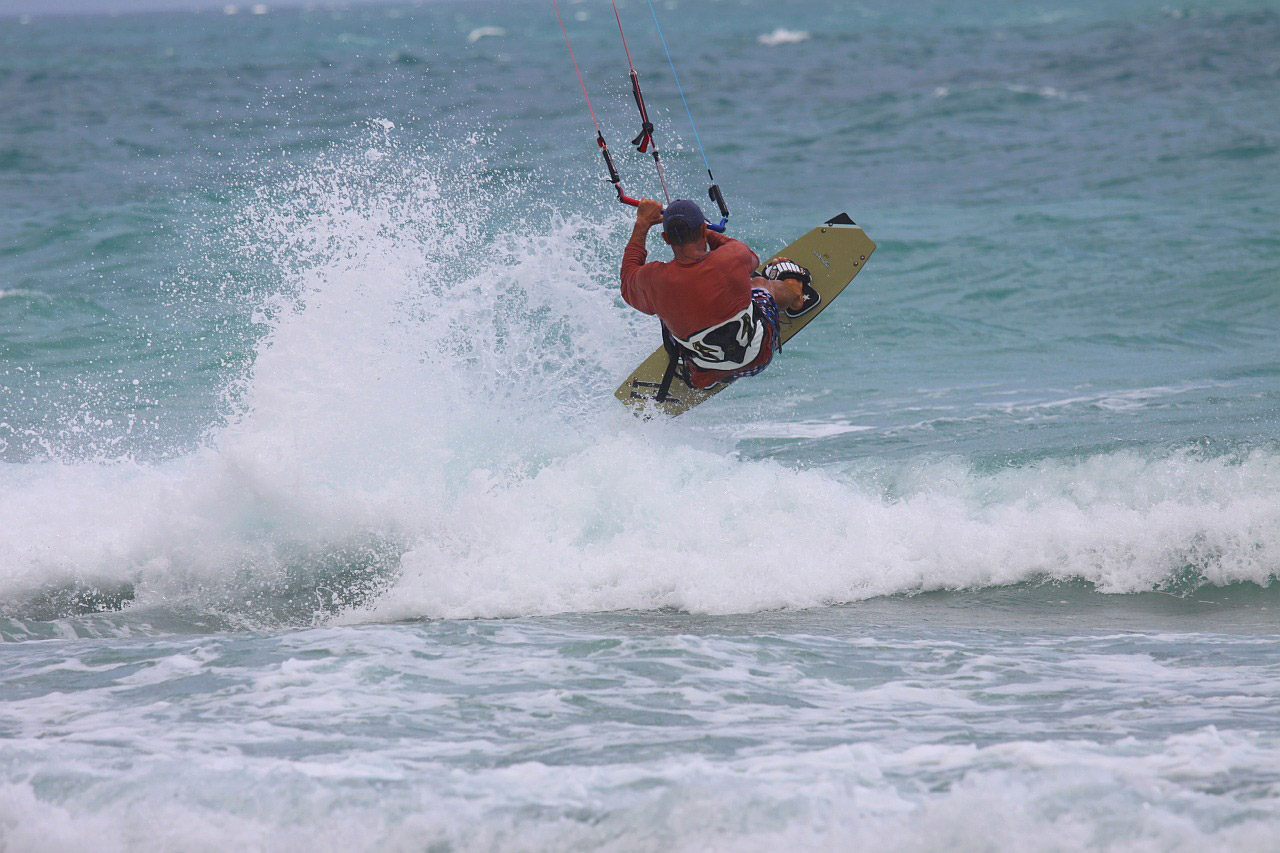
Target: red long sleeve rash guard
x=690 y=296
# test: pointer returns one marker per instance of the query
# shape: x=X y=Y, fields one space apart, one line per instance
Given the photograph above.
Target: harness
x=727 y=346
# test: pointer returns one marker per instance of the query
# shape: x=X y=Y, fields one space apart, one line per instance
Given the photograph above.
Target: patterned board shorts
x=772 y=335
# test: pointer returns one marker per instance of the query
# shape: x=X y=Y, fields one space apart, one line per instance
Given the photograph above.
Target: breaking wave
x=428 y=430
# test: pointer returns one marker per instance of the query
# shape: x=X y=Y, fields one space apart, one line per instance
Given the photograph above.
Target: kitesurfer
x=719 y=316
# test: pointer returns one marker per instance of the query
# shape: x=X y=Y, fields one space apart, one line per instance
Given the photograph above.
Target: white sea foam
x=485 y=32
x=409 y=735
x=801 y=429
x=782 y=36
x=833 y=799
x=437 y=394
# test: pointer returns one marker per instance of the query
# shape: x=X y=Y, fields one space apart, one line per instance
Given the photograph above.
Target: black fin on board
x=840 y=219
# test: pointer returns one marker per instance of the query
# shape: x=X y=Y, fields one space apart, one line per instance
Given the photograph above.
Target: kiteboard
x=834 y=253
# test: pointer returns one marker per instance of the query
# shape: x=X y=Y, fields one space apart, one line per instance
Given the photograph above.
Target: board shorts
x=767 y=308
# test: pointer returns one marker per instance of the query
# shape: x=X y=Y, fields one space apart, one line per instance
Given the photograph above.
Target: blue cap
x=682 y=221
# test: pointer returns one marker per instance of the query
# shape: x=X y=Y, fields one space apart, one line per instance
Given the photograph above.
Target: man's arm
x=648 y=214
x=716 y=240
x=720 y=241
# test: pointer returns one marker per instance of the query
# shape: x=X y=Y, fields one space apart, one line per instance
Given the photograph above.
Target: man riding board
x=722 y=327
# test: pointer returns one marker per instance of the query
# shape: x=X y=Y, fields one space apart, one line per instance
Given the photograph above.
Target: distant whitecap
x=483 y=32
x=230 y=10
x=1046 y=92
x=260 y=9
x=781 y=36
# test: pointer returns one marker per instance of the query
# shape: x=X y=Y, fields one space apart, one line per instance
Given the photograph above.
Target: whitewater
x=454 y=434
x=321 y=529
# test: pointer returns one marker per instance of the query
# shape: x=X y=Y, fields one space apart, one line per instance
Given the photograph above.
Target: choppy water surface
x=320 y=527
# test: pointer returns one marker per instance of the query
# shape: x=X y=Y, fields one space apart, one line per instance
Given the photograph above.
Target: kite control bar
x=718 y=227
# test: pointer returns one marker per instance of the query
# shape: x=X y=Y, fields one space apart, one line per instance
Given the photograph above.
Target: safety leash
x=614 y=178
x=714 y=191
x=644 y=140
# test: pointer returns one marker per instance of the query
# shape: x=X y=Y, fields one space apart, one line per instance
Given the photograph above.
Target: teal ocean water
x=320 y=528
